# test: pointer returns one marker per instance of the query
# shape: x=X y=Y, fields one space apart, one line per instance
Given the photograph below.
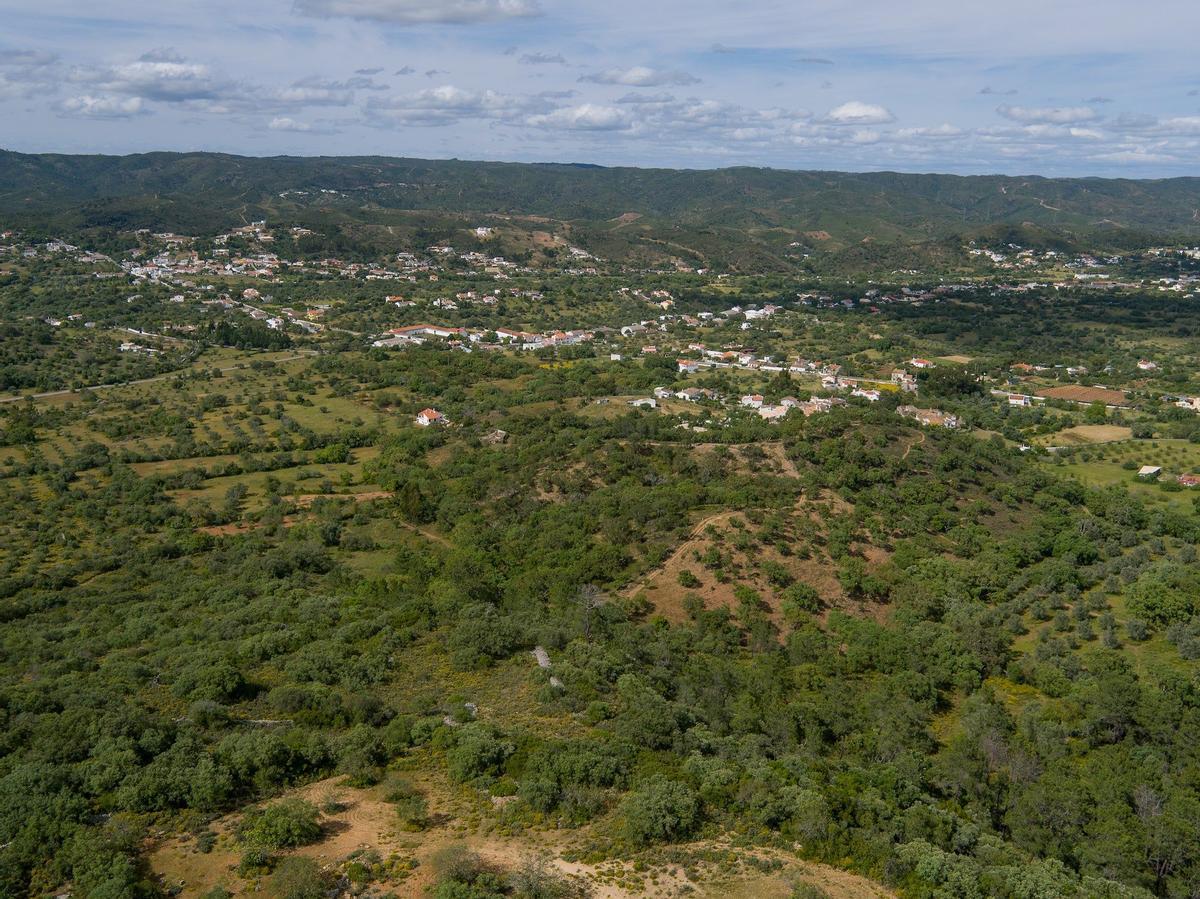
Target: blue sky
x=1053 y=87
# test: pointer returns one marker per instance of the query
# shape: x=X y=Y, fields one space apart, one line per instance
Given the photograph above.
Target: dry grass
x=1086 y=434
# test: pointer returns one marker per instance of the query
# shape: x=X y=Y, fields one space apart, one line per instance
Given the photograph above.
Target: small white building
x=427 y=417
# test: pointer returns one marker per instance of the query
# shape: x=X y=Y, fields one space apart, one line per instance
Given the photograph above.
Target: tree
x=660 y=811
x=589 y=598
x=284 y=825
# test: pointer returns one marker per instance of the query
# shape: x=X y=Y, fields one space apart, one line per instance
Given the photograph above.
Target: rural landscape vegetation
x=389 y=527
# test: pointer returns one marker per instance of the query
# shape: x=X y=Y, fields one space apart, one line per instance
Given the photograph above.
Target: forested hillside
x=164 y=187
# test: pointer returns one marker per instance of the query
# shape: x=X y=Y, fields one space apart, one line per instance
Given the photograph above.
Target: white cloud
x=857 y=113
x=102 y=107
x=287 y=123
x=24 y=73
x=1055 y=115
x=586 y=117
x=448 y=104
x=641 y=76
x=420 y=12
x=154 y=76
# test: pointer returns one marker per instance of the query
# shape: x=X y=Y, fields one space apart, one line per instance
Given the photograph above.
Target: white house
x=427 y=417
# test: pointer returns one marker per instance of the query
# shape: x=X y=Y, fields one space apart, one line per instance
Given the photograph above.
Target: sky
x=1049 y=87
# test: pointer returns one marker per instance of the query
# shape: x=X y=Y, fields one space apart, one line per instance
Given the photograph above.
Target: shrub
x=284 y=825
x=800 y=600
x=477 y=750
x=661 y=811
x=299 y=878
x=410 y=803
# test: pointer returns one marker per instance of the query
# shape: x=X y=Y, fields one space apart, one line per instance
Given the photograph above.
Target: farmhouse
x=931 y=417
x=427 y=417
x=1149 y=472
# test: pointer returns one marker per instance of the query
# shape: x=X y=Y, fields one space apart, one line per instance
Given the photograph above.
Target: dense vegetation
x=671 y=641
x=742 y=218
x=927 y=750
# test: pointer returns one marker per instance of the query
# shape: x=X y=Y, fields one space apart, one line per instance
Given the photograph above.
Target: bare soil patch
x=361 y=821
x=1079 y=394
x=1084 y=434
x=715 y=532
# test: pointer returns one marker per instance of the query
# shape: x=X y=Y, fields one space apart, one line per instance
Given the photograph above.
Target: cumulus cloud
x=287 y=123
x=158 y=75
x=586 y=117
x=1057 y=115
x=404 y=70
x=642 y=76
x=420 y=12
x=24 y=73
x=857 y=113
x=447 y=105
x=542 y=59
x=92 y=107
x=368 y=72
x=938 y=131
x=989 y=91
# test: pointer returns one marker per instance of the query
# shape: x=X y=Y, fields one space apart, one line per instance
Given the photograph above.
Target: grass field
x=1106 y=464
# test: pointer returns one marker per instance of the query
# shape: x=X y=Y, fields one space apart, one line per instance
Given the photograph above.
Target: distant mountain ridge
x=200 y=190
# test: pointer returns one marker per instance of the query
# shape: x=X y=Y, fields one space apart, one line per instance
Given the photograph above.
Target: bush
x=661 y=811
x=410 y=803
x=478 y=750
x=688 y=580
x=362 y=755
x=800 y=600
x=299 y=878
x=256 y=861
x=284 y=825
x=463 y=874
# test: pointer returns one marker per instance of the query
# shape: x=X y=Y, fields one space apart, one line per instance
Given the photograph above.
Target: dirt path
x=696 y=535
x=356 y=820
x=918 y=442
